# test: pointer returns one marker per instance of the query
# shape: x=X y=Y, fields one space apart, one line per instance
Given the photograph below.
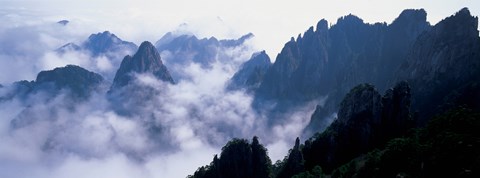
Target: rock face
x=146 y=60
x=239 y=159
x=251 y=73
x=443 y=61
x=364 y=122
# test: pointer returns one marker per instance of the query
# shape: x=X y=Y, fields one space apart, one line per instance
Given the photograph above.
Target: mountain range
x=380 y=82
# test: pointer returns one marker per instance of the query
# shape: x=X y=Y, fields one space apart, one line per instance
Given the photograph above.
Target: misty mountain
x=77 y=82
x=251 y=73
x=328 y=61
x=146 y=60
x=128 y=93
x=104 y=43
x=179 y=51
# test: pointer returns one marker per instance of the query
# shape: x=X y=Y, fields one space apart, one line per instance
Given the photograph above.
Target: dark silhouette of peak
x=63 y=22
x=146 y=60
x=251 y=73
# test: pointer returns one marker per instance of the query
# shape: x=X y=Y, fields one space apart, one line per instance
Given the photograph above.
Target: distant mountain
x=104 y=43
x=77 y=82
x=251 y=73
x=179 y=51
x=63 y=22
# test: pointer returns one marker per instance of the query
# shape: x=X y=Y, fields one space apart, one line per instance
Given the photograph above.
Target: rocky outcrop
x=443 y=60
x=251 y=73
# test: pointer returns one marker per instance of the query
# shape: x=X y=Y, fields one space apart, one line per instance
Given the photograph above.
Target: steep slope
x=251 y=73
x=444 y=64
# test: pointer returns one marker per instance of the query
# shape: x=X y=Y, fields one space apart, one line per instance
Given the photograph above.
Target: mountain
x=128 y=95
x=239 y=159
x=77 y=82
x=443 y=66
x=104 y=43
x=251 y=73
x=146 y=60
x=440 y=63
x=180 y=51
x=328 y=61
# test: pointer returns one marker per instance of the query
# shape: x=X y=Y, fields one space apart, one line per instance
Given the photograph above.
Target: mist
x=170 y=135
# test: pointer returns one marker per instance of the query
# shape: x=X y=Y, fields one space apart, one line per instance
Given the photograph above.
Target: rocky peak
x=146 y=60
x=251 y=73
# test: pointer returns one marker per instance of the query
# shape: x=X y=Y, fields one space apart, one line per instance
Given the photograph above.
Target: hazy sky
x=273 y=22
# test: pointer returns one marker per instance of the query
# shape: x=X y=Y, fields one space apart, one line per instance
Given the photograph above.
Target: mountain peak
x=146 y=60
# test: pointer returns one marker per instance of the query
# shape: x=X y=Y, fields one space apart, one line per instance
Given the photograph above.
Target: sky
x=29 y=34
x=273 y=22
